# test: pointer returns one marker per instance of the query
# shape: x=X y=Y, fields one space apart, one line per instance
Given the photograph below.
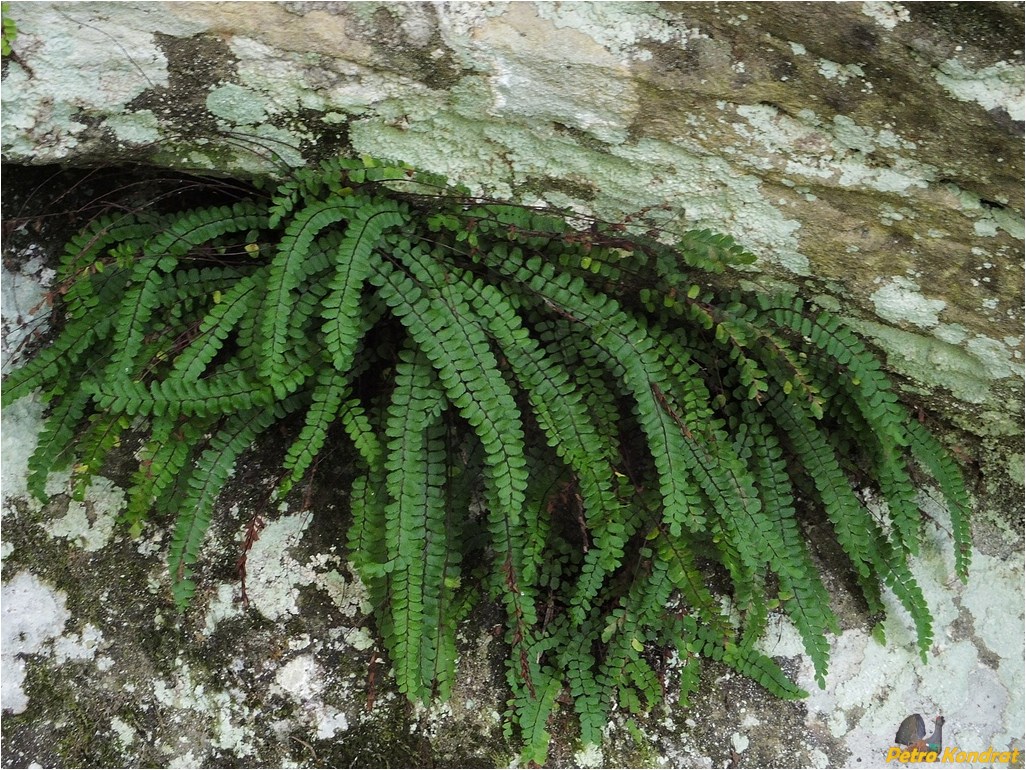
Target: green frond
x=53 y=363
x=564 y=420
x=801 y=590
x=352 y=265
x=55 y=440
x=366 y=542
x=108 y=244
x=860 y=372
x=859 y=535
x=580 y=665
x=200 y=226
x=162 y=460
x=221 y=394
x=101 y=436
x=286 y=274
x=712 y=252
x=212 y=469
x=469 y=373
x=354 y=419
x=533 y=710
x=928 y=451
x=564 y=416
x=415 y=534
x=326 y=400
x=240 y=300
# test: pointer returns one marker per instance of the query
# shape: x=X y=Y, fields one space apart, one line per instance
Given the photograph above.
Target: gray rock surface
x=870 y=153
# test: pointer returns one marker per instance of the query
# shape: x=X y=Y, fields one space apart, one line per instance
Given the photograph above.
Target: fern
x=638 y=440
x=212 y=469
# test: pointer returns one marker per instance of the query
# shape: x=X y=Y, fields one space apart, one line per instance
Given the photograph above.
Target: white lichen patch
x=90 y=523
x=23 y=308
x=301 y=678
x=67 y=78
x=125 y=733
x=22 y=422
x=887 y=15
x=185 y=761
x=1017 y=468
x=303 y=681
x=930 y=359
x=842 y=73
x=781 y=638
x=852 y=136
x=222 y=606
x=994 y=220
x=81 y=646
x=836 y=151
x=872 y=687
x=134 y=128
x=274 y=575
x=546 y=73
x=997 y=86
x=331 y=722
x=348 y=594
x=230 y=720
x=33 y=616
x=995 y=356
x=237 y=105
x=900 y=300
x=589 y=756
x=359 y=638
x=618 y=27
x=739 y=742
x=710 y=182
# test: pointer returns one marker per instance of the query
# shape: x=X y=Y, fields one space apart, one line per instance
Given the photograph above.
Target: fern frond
x=240 y=300
x=87 y=253
x=860 y=371
x=860 y=537
x=53 y=362
x=162 y=460
x=415 y=520
x=564 y=416
x=931 y=455
x=56 y=438
x=220 y=394
x=469 y=374
x=285 y=275
x=213 y=467
x=801 y=590
x=102 y=435
x=326 y=400
x=352 y=261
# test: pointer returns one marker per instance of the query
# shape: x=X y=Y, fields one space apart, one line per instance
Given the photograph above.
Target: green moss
x=540 y=185
x=431 y=60
x=65 y=725
x=996 y=26
x=387 y=740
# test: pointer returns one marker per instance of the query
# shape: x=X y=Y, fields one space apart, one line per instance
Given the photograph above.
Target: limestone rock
x=871 y=153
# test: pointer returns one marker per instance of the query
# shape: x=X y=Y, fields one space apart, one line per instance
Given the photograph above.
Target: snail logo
x=918 y=747
x=912 y=744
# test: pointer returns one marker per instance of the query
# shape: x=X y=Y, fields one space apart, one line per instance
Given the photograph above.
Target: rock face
x=870 y=153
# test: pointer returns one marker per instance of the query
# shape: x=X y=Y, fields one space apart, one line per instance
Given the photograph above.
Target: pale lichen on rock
x=870 y=153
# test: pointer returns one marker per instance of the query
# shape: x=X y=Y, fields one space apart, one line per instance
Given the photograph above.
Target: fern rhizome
x=568 y=420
